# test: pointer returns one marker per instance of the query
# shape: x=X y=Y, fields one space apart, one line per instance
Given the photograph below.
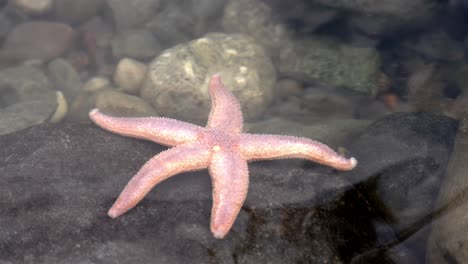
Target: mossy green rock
x=329 y=62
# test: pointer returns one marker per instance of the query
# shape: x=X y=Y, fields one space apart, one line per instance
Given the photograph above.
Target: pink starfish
x=220 y=146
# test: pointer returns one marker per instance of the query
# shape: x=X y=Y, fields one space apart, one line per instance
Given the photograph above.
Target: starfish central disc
x=216 y=148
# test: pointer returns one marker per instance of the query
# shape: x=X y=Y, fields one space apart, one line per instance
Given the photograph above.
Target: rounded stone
x=76 y=12
x=96 y=84
x=129 y=75
x=131 y=14
x=61 y=110
x=39 y=40
x=64 y=77
x=33 y=6
x=26 y=98
x=137 y=44
x=177 y=80
x=255 y=18
x=119 y=104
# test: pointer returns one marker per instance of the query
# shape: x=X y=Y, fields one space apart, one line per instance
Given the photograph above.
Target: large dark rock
x=402 y=160
x=58 y=181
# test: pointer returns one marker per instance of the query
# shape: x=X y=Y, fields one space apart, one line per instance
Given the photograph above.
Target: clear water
x=384 y=82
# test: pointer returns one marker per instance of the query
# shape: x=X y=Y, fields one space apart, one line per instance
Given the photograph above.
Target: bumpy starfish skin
x=220 y=146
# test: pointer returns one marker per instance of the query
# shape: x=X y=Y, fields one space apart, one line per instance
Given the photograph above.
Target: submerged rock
x=255 y=19
x=65 y=78
x=402 y=160
x=136 y=44
x=35 y=7
x=132 y=14
x=38 y=40
x=57 y=182
x=382 y=17
x=26 y=98
x=448 y=239
x=129 y=75
x=330 y=62
x=177 y=80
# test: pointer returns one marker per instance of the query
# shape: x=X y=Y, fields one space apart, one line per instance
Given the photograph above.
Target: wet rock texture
x=58 y=181
x=448 y=242
x=404 y=157
x=38 y=41
x=26 y=98
x=328 y=61
x=408 y=154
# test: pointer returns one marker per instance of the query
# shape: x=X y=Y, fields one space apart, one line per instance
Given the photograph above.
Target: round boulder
x=177 y=80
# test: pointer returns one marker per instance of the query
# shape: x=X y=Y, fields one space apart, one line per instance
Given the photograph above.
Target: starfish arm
x=165 y=131
x=255 y=147
x=225 y=108
x=164 y=165
x=230 y=178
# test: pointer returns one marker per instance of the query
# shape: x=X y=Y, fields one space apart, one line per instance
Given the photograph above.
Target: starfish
x=220 y=146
